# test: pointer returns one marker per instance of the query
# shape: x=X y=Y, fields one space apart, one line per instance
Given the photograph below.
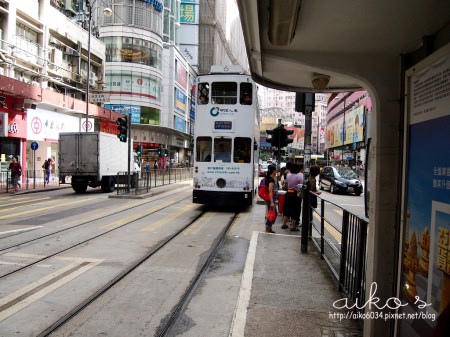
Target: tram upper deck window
x=203 y=149
x=203 y=93
x=246 y=93
x=224 y=93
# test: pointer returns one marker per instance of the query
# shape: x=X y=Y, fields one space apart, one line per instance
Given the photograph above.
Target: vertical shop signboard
x=425 y=255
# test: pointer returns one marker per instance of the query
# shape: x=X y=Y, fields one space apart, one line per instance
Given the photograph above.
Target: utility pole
x=305 y=102
x=129 y=154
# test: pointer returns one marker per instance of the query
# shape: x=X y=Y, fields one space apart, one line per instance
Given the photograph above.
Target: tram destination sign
x=223 y=125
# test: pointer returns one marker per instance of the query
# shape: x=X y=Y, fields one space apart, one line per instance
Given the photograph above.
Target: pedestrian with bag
x=271 y=210
x=16 y=172
x=313 y=173
x=293 y=203
x=46 y=166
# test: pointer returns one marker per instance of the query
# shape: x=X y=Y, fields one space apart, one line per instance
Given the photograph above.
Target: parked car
x=340 y=179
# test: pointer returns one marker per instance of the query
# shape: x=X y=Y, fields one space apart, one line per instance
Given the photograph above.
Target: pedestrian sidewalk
x=285 y=292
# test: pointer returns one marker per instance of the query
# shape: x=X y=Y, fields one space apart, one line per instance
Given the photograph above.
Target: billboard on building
x=189 y=12
x=44 y=125
x=180 y=101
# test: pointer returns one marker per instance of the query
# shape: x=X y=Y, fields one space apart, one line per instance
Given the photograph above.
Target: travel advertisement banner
x=425 y=251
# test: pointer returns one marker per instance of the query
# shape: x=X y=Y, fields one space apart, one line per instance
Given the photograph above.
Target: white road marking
x=240 y=313
x=38 y=289
x=21 y=230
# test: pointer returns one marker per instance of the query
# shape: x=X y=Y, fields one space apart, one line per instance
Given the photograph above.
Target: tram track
x=171 y=318
x=81 y=226
x=90 y=221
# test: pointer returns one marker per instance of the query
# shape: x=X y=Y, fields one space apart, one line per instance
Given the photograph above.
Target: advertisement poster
x=425 y=252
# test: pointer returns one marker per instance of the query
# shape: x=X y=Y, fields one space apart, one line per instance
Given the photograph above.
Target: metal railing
x=342 y=244
x=143 y=182
x=31 y=179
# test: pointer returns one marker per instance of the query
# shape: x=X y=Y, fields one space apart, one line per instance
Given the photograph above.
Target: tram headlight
x=221 y=183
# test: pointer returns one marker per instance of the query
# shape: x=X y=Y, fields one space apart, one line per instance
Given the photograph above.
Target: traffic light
x=284 y=137
x=159 y=152
x=166 y=153
x=139 y=150
x=274 y=140
x=122 y=123
x=304 y=102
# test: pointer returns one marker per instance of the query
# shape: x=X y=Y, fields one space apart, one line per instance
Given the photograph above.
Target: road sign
x=34 y=146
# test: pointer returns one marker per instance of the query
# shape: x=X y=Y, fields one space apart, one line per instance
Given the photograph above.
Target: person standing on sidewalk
x=47 y=166
x=313 y=173
x=293 y=202
x=270 y=183
x=16 y=173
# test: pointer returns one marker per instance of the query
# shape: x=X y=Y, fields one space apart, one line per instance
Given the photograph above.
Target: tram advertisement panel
x=425 y=277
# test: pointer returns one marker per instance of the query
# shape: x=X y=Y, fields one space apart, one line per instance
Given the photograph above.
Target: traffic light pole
x=306 y=212
x=129 y=154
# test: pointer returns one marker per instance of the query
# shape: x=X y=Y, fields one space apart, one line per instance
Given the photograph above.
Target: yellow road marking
x=41 y=209
x=23 y=201
x=36 y=203
x=197 y=225
x=136 y=216
x=339 y=211
x=166 y=219
x=328 y=227
x=100 y=214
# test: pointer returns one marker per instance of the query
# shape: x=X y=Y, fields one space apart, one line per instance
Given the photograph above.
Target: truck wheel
x=79 y=188
x=108 y=184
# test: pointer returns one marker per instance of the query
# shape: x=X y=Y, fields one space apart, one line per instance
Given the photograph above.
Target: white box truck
x=93 y=159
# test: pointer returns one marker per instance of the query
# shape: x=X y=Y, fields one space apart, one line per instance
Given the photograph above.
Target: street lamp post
x=106 y=12
x=89 y=6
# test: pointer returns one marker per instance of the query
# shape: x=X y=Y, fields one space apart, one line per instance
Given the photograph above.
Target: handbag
x=263 y=190
x=271 y=214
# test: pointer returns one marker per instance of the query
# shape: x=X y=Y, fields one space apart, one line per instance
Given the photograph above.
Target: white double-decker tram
x=226 y=138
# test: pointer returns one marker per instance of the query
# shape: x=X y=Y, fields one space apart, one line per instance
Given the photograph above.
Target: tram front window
x=222 y=149
x=203 y=149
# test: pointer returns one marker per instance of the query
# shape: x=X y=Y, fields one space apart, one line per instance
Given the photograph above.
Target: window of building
x=133 y=50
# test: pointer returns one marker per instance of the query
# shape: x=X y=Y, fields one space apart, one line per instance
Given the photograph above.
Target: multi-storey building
x=130 y=63
x=281 y=105
x=44 y=54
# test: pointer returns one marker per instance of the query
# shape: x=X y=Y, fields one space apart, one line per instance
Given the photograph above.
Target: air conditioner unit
x=56 y=56
x=93 y=79
x=71 y=5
